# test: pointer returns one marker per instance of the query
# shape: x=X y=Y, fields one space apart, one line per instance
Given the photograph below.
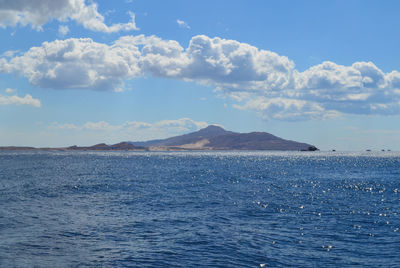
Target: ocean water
x=199 y=209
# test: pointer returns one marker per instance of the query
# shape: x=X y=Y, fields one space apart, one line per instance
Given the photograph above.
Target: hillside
x=209 y=138
x=217 y=138
x=125 y=146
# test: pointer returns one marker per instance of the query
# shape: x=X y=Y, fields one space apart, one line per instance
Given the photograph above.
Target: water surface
x=218 y=209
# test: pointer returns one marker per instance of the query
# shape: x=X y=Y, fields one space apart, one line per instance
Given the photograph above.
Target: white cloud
x=393 y=79
x=133 y=130
x=102 y=125
x=63 y=30
x=257 y=79
x=287 y=109
x=39 y=12
x=65 y=126
x=10 y=53
x=76 y=63
x=224 y=63
x=233 y=65
x=180 y=125
x=16 y=100
x=182 y=24
x=331 y=81
x=10 y=90
x=163 y=58
x=83 y=63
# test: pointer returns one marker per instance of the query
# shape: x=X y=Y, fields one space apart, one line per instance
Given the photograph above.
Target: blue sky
x=80 y=72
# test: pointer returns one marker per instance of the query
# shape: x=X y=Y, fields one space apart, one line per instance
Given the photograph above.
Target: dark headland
x=209 y=138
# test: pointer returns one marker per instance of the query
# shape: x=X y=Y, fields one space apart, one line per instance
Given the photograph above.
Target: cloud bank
x=257 y=79
x=38 y=12
x=134 y=129
x=16 y=100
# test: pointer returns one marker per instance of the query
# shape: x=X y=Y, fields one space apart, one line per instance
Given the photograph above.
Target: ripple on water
x=226 y=209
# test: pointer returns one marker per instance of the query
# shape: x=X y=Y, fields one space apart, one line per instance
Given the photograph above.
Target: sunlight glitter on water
x=238 y=209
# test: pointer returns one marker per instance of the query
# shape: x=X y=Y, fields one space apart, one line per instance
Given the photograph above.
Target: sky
x=75 y=72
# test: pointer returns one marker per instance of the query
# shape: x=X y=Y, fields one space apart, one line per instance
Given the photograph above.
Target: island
x=210 y=138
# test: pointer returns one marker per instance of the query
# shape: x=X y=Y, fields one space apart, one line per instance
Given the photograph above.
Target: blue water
x=215 y=209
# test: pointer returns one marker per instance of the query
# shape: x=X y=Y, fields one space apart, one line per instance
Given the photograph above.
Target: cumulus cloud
x=9 y=53
x=224 y=63
x=234 y=65
x=77 y=64
x=83 y=63
x=16 y=100
x=257 y=79
x=182 y=24
x=39 y=12
x=157 y=57
x=63 y=30
x=361 y=88
x=134 y=130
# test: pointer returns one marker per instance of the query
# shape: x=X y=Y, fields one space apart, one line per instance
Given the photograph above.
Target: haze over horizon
x=86 y=72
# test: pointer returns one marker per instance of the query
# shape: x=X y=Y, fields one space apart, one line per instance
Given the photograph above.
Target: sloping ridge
x=255 y=141
x=205 y=133
x=105 y=147
x=209 y=138
x=217 y=138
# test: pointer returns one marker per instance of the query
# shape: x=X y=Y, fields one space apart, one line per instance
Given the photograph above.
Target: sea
x=199 y=209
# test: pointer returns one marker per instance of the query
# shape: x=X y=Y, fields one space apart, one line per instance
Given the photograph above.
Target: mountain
x=205 y=133
x=217 y=138
x=209 y=138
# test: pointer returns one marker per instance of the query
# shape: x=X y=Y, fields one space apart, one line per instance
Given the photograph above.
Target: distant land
x=217 y=138
x=209 y=138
